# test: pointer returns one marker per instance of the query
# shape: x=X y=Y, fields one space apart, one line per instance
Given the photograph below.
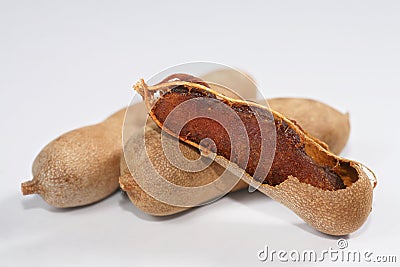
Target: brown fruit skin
x=337 y=125
x=79 y=167
x=159 y=164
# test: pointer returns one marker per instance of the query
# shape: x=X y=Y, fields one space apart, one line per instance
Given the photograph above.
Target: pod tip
x=30 y=187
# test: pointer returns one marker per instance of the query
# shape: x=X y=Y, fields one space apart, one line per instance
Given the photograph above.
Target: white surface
x=65 y=64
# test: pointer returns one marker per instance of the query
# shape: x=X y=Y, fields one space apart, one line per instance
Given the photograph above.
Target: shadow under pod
x=128 y=206
x=37 y=202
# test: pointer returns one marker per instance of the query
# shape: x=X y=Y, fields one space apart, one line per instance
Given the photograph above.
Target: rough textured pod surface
x=79 y=167
x=148 y=160
x=338 y=212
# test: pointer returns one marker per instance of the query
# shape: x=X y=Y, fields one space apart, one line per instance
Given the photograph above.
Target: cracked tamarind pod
x=321 y=120
x=332 y=194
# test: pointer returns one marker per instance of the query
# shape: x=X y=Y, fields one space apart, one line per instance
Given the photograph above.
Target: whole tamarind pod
x=332 y=194
x=79 y=167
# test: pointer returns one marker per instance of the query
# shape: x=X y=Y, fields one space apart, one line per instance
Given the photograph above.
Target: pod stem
x=30 y=187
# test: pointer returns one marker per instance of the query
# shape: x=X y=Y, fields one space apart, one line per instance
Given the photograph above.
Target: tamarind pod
x=302 y=171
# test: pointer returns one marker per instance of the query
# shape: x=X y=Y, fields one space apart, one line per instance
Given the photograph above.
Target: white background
x=66 y=64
